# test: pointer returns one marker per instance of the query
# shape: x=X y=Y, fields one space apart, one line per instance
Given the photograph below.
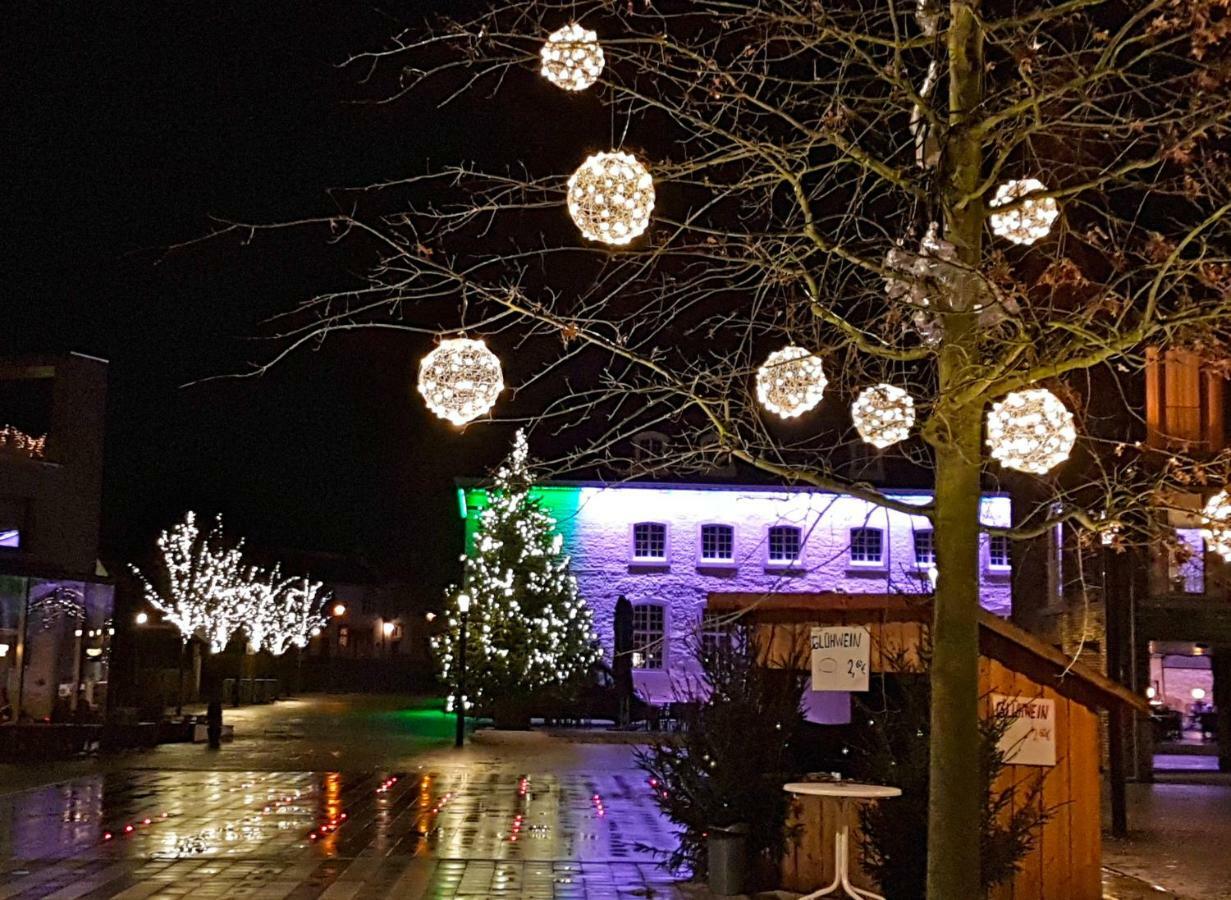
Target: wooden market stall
x=1066 y=861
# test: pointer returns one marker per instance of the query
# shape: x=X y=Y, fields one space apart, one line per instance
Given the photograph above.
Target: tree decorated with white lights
x=528 y=629
x=989 y=205
x=292 y=615
x=203 y=587
x=199 y=585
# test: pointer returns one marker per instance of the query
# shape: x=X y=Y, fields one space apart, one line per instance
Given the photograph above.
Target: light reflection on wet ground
x=463 y=831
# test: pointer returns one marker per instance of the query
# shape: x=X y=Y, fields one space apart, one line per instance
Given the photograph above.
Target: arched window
x=649 y=635
x=785 y=545
x=649 y=542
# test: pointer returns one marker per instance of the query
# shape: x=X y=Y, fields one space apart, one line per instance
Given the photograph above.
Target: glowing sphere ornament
x=572 y=58
x=1030 y=220
x=1031 y=431
x=883 y=414
x=790 y=382
x=610 y=198
x=1216 y=524
x=460 y=380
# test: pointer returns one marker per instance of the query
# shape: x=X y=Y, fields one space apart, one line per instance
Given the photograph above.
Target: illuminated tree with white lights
x=200 y=585
x=528 y=629
x=996 y=206
x=291 y=615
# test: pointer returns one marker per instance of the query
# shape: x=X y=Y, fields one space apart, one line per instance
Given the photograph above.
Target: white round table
x=843 y=792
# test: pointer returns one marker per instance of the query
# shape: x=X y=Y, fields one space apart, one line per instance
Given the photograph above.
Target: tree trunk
x=954 y=786
x=954 y=791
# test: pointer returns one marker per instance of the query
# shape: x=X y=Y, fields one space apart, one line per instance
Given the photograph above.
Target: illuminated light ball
x=1031 y=431
x=610 y=198
x=1216 y=524
x=791 y=381
x=1028 y=222
x=460 y=380
x=572 y=58
x=883 y=414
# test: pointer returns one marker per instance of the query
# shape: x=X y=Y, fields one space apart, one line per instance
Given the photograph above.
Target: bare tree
x=830 y=175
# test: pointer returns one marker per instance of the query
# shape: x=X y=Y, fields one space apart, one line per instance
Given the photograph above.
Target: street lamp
x=339 y=609
x=459 y=702
x=142 y=618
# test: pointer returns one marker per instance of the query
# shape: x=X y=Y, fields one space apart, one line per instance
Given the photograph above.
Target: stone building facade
x=666 y=547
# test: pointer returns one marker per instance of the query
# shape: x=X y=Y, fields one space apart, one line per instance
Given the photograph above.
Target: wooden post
x=1115 y=597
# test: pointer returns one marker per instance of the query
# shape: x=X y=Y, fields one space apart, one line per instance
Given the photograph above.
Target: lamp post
x=140 y=619
x=459 y=703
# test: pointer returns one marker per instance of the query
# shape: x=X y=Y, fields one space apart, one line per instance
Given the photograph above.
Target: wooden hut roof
x=999 y=638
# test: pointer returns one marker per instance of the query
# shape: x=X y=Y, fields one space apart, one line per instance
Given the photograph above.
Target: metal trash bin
x=727 y=859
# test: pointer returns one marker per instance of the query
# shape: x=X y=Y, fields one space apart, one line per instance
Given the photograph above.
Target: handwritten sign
x=840 y=658
x=1030 y=739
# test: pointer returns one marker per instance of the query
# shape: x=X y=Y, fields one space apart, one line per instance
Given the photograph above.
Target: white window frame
x=709 y=633
x=876 y=565
x=706 y=562
x=1000 y=568
x=662 y=638
x=914 y=549
x=649 y=560
x=772 y=563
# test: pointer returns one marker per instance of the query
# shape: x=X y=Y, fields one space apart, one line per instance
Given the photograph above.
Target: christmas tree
x=528 y=630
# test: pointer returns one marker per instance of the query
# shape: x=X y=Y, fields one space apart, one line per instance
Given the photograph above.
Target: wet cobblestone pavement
x=304 y=804
x=468 y=832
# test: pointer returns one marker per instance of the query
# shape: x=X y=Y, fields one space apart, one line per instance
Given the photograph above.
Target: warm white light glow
x=1150 y=692
x=142 y=618
x=387 y=628
x=883 y=414
x=572 y=58
x=463 y=603
x=1030 y=220
x=610 y=198
x=1216 y=524
x=430 y=616
x=791 y=381
x=1198 y=693
x=339 y=609
x=1031 y=431
x=460 y=380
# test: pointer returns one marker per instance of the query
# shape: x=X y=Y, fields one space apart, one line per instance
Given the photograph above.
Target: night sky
x=126 y=125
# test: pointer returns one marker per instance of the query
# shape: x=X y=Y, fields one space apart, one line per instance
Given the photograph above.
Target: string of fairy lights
x=208 y=593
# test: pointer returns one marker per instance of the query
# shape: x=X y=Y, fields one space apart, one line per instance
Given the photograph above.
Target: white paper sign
x=1031 y=737
x=840 y=658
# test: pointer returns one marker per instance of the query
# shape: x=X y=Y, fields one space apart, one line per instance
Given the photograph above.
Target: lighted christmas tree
x=528 y=630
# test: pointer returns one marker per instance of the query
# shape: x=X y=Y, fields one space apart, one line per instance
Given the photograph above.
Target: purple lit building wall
x=666 y=547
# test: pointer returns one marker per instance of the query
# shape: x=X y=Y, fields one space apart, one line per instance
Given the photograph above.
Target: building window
x=717 y=543
x=867 y=546
x=716 y=634
x=650 y=447
x=12 y=523
x=925 y=548
x=1186 y=569
x=648 y=636
x=649 y=541
x=785 y=542
x=998 y=552
x=1184 y=401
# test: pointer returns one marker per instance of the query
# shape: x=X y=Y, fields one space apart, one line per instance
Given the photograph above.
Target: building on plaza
x=668 y=547
x=1156 y=618
x=56 y=600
